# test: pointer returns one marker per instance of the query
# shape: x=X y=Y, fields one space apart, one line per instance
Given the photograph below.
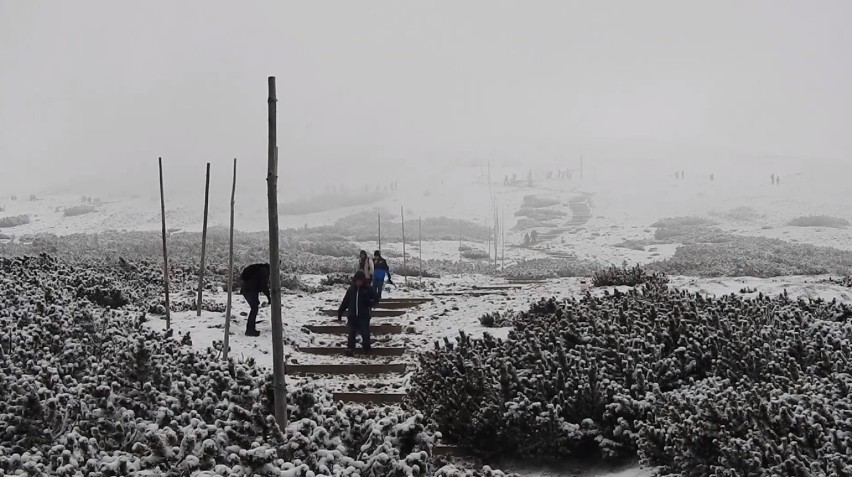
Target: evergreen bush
x=696 y=385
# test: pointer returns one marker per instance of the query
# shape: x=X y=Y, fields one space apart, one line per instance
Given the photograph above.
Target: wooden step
x=343 y=329
x=369 y=398
x=498 y=287
x=472 y=293
x=377 y=313
x=334 y=351
x=408 y=300
x=385 y=305
x=342 y=369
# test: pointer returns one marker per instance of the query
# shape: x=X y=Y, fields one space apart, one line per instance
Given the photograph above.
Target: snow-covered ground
x=624 y=207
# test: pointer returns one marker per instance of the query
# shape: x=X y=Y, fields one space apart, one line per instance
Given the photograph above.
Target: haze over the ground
x=91 y=92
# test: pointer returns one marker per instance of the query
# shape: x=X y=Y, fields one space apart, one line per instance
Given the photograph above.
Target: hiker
x=526 y=239
x=359 y=300
x=365 y=265
x=506 y=181
x=773 y=178
x=533 y=237
x=255 y=280
x=777 y=180
x=380 y=270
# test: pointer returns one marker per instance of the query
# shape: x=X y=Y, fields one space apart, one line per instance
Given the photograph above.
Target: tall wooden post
x=226 y=341
x=420 y=238
x=203 y=241
x=165 y=250
x=460 y=242
x=278 y=380
x=404 y=258
x=581 y=166
x=380 y=231
x=503 y=238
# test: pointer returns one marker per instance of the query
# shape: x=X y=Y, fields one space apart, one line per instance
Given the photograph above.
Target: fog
x=92 y=92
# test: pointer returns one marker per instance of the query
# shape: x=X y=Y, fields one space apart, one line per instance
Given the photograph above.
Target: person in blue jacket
x=380 y=270
x=359 y=301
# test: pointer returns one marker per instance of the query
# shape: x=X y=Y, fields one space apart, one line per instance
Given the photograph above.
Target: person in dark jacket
x=380 y=270
x=255 y=280
x=358 y=302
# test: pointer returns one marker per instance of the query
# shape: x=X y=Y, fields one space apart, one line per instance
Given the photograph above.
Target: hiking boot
x=252 y=333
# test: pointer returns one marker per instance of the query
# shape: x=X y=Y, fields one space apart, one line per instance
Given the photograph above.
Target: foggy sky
x=93 y=91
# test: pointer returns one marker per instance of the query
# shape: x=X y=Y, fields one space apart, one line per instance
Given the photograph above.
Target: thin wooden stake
x=203 y=241
x=460 y=242
x=404 y=258
x=278 y=377
x=503 y=238
x=226 y=341
x=420 y=238
x=165 y=250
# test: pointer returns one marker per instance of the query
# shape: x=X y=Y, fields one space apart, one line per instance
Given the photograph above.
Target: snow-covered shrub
x=78 y=210
x=697 y=385
x=754 y=257
x=497 y=319
x=475 y=254
x=335 y=279
x=688 y=221
x=90 y=391
x=819 y=221
x=14 y=221
x=626 y=276
x=844 y=281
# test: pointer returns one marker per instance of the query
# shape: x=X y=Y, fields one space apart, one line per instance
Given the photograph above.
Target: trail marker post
x=203 y=242
x=278 y=375
x=165 y=249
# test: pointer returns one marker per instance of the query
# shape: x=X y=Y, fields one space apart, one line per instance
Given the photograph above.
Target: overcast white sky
x=96 y=90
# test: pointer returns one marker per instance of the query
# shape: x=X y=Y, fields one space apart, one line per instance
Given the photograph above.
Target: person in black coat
x=358 y=302
x=255 y=280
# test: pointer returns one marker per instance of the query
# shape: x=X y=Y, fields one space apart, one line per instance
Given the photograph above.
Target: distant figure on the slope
x=529 y=178
x=365 y=265
x=712 y=177
x=255 y=280
x=773 y=178
x=514 y=178
x=358 y=302
x=533 y=237
x=682 y=175
x=777 y=180
x=380 y=270
x=677 y=175
x=527 y=239
x=506 y=181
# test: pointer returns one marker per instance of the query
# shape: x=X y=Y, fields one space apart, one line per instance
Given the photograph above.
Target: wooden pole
x=581 y=166
x=460 y=242
x=165 y=250
x=503 y=238
x=203 y=241
x=226 y=341
x=404 y=258
x=380 y=231
x=420 y=238
x=278 y=379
